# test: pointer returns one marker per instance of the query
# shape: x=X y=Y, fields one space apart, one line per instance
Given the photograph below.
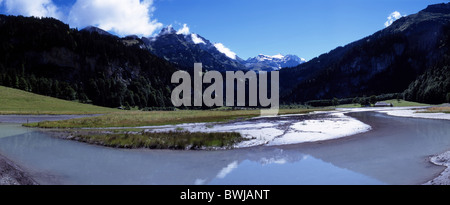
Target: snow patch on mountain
x=196 y=39
x=269 y=63
x=230 y=54
x=279 y=56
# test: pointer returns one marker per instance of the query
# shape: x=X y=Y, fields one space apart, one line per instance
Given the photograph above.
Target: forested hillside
x=46 y=56
x=385 y=62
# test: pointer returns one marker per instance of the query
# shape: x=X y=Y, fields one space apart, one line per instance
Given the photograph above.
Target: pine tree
x=32 y=84
x=355 y=100
x=67 y=92
x=22 y=84
x=82 y=97
x=8 y=81
x=16 y=82
x=373 y=99
x=56 y=90
x=335 y=102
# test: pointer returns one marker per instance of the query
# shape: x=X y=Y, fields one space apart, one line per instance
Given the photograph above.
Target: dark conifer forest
x=46 y=56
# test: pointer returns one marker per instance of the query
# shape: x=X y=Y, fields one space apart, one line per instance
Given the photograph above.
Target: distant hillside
x=45 y=56
x=385 y=62
x=433 y=86
x=14 y=101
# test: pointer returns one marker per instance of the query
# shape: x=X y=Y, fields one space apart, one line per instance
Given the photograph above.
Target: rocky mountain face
x=385 y=62
x=186 y=49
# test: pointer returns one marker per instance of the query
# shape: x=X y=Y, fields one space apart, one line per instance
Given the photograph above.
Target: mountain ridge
x=187 y=49
x=272 y=63
x=387 y=61
x=90 y=67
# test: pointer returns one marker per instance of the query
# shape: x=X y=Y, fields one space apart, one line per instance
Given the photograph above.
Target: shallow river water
x=395 y=151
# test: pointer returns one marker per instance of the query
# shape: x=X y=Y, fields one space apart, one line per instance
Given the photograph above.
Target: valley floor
x=273 y=131
x=279 y=130
x=313 y=127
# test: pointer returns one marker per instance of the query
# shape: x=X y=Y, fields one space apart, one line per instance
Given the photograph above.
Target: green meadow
x=14 y=101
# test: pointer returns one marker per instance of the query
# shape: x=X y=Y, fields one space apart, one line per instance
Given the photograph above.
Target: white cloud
x=184 y=30
x=196 y=39
x=392 y=17
x=123 y=17
x=37 y=8
x=220 y=47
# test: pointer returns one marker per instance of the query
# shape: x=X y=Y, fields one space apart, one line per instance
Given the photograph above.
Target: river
x=395 y=151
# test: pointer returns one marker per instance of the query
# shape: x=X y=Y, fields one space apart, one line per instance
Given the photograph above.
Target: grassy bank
x=14 y=101
x=437 y=110
x=155 y=118
x=165 y=140
x=394 y=102
x=403 y=103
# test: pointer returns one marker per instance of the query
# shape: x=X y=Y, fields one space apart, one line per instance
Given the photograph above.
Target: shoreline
x=12 y=174
x=280 y=130
x=417 y=114
x=442 y=159
x=22 y=119
x=258 y=131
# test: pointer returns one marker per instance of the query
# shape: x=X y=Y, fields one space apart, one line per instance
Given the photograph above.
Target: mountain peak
x=279 y=56
x=168 y=30
x=262 y=57
x=186 y=48
x=276 y=62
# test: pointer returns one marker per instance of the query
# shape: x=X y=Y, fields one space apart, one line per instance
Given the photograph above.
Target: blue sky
x=306 y=28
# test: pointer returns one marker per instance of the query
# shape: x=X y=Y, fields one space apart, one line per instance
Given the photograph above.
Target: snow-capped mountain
x=185 y=49
x=271 y=63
